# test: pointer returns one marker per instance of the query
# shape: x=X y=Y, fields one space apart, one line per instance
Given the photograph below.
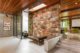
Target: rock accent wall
x=46 y=22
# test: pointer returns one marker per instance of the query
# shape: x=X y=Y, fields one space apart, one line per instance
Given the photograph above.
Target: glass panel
x=25 y=21
x=19 y=25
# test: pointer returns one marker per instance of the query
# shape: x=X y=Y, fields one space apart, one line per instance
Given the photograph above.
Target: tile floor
x=14 y=45
x=67 y=46
x=8 y=44
x=26 y=46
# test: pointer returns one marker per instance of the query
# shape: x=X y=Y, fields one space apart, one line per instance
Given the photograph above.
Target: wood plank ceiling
x=13 y=6
x=69 y=4
x=50 y=2
x=70 y=7
x=47 y=2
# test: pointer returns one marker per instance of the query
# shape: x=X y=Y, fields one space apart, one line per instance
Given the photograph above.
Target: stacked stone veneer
x=46 y=22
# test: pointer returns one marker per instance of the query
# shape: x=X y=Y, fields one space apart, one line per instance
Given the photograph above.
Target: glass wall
x=65 y=25
x=24 y=21
x=17 y=25
x=20 y=23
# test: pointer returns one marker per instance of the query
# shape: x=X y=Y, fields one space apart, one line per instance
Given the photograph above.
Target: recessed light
x=38 y=7
x=76 y=3
x=59 y=6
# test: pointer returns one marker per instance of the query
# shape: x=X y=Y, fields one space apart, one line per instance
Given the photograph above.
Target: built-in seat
x=40 y=40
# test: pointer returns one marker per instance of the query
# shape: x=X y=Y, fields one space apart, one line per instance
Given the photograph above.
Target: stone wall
x=46 y=22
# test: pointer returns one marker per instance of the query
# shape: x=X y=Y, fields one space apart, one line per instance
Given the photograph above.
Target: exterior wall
x=46 y=22
x=15 y=26
x=19 y=24
x=6 y=25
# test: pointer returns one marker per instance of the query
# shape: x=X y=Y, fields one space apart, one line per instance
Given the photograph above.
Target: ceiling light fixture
x=76 y=3
x=38 y=7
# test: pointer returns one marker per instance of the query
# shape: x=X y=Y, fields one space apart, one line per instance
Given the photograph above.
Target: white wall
x=25 y=21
